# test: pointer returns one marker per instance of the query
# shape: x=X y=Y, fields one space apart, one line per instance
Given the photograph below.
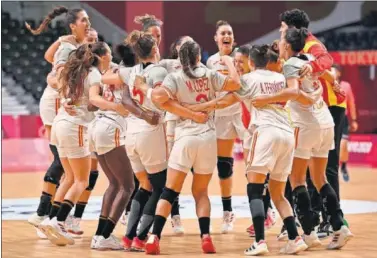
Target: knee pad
x=158 y=180
x=92 y=180
x=255 y=191
x=225 y=167
x=169 y=195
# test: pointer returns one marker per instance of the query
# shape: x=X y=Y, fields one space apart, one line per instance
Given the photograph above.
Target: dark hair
x=141 y=43
x=273 y=51
x=337 y=67
x=148 y=21
x=77 y=67
x=173 y=53
x=71 y=16
x=296 y=18
x=221 y=23
x=188 y=54
x=124 y=51
x=259 y=55
x=244 y=50
x=296 y=38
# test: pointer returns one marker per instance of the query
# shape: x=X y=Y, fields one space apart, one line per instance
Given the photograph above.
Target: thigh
x=80 y=168
x=200 y=183
x=152 y=148
x=132 y=153
x=119 y=165
x=248 y=136
x=184 y=153
x=175 y=179
x=325 y=143
x=225 y=129
x=206 y=158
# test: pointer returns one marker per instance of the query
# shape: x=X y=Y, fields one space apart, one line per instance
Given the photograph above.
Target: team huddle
x=150 y=121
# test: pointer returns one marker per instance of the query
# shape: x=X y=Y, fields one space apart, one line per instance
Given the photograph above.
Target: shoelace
x=62 y=228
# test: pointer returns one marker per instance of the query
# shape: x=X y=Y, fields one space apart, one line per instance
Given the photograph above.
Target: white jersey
x=60 y=57
x=83 y=116
x=311 y=116
x=194 y=91
x=213 y=63
x=154 y=74
x=262 y=82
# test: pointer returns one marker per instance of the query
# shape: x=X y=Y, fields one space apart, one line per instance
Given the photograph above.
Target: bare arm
x=49 y=55
x=98 y=101
x=218 y=103
x=128 y=103
x=111 y=78
x=233 y=81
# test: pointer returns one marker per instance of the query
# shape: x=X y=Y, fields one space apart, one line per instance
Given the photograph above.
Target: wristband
x=149 y=93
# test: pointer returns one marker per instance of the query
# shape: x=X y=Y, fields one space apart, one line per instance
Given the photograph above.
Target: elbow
x=159 y=99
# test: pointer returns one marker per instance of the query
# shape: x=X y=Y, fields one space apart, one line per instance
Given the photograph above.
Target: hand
x=199 y=117
x=306 y=70
x=70 y=109
x=260 y=101
x=151 y=117
x=224 y=60
x=120 y=109
x=69 y=39
x=354 y=126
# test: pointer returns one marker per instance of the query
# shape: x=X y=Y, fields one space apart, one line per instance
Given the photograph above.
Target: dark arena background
x=347 y=29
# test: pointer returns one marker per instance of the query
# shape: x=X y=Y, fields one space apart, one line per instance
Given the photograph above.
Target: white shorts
x=271 y=152
x=229 y=127
x=313 y=142
x=106 y=134
x=195 y=151
x=248 y=136
x=48 y=108
x=70 y=139
x=147 y=151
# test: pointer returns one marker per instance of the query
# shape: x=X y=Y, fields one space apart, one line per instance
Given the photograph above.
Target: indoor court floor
x=19 y=238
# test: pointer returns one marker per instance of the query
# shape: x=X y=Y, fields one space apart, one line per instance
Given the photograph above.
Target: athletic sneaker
x=294 y=246
x=138 y=245
x=340 y=238
x=324 y=230
x=110 y=243
x=75 y=227
x=259 y=248
x=35 y=220
x=228 y=220
x=283 y=235
x=268 y=223
x=207 y=245
x=56 y=233
x=126 y=243
x=176 y=224
x=345 y=174
x=311 y=240
x=152 y=246
x=93 y=243
x=40 y=234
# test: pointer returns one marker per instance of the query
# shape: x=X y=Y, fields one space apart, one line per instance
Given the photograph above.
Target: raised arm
x=49 y=55
x=232 y=82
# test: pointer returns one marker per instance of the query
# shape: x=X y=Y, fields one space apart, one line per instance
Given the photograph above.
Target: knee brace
x=255 y=191
x=225 y=167
x=158 y=180
x=92 y=180
x=169 y=195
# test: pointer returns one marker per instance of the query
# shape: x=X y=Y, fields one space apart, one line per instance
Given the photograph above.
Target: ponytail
x=54 y=13
x=188 y=55
x=259 y=54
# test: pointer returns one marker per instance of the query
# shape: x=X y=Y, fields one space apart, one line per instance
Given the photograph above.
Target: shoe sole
x=346 y=239
x=299 y=249
x=149 y=250
x=282 y=238
x=53 y=236
x=255 y=254
x=315 y=244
